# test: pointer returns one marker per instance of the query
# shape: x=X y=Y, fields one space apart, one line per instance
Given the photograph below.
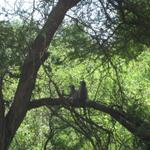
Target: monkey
x=83 y=94
x=74 y=95
x=78 y=96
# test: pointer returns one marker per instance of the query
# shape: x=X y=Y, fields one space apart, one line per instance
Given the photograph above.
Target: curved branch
x=122 y=117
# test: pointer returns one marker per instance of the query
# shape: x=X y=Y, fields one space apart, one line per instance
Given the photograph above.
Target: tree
x=36 y=54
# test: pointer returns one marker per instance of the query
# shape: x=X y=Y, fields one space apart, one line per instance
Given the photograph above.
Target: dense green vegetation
x=104 y=43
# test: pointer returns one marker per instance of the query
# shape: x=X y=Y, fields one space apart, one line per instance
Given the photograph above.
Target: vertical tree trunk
x=2 y=138
x=2 y=117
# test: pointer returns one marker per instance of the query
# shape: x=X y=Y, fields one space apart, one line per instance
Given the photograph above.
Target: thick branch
x=119 y=116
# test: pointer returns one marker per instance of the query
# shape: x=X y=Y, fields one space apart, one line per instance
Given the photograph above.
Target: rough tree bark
x=35 y=57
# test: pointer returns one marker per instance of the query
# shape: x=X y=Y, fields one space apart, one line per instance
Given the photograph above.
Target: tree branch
x=123 y=118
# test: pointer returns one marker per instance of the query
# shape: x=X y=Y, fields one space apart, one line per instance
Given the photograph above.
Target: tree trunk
x=2 y=117
x=3 y=141
x=2 y=137
x=36 y=56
